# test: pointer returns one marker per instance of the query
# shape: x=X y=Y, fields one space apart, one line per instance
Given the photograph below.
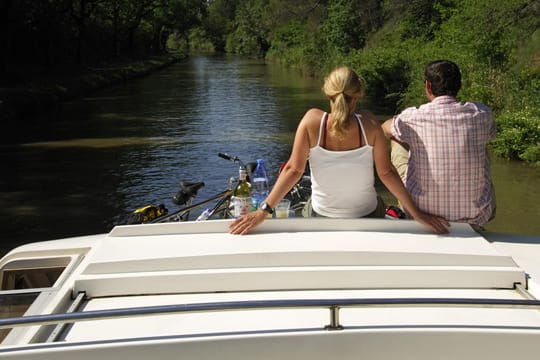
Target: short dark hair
x=444 y=77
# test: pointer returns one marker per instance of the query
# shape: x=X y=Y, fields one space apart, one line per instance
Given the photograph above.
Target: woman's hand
x=437 y=224
x=245 y=223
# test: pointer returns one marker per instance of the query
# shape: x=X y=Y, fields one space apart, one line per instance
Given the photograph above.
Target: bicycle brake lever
x=231 y=158
x=227 y=156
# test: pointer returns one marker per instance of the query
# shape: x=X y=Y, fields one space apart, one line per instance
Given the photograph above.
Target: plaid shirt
x=448 y=172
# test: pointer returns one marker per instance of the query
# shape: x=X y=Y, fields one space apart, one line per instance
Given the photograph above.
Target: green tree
x=177 y=17
x=422 y=18
x=219 y=21
x=342 y=30
x=251 y=30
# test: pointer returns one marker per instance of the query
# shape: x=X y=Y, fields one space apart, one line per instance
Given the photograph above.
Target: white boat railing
x=333 y=305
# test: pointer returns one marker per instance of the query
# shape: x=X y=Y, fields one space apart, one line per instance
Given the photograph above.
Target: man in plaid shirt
x=439 y=149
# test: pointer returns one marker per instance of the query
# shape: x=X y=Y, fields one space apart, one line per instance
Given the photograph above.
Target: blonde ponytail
x=341 y=86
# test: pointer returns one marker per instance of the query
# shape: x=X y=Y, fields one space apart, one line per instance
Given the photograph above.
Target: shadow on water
x=103 y=156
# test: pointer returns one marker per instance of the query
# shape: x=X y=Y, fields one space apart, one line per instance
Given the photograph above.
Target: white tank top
x=342 y=182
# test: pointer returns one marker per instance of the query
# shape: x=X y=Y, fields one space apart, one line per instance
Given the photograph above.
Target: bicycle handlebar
x=226 y=156
x=232 y=158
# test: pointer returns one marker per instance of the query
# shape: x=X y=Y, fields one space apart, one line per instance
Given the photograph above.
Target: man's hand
x=437 y=224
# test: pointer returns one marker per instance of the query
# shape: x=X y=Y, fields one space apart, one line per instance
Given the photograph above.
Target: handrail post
x=75 y=305
x=334 y=319
x=524 y=292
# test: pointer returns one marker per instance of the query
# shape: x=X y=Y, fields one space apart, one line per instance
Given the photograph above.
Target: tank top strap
x=362 y=129
x=322 y=131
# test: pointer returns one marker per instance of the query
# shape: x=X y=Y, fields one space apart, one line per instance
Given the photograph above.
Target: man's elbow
x=387 y=128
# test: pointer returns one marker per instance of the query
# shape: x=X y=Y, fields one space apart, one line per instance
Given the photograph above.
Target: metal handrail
x=332 y=304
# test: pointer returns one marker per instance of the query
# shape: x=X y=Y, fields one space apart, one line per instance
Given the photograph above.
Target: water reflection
x=518 y=197
x=101 y=157
x=100 y=143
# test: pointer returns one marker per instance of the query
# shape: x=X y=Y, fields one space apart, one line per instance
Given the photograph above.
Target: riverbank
x=29 y=93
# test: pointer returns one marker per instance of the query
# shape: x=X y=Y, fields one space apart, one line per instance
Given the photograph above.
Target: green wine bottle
x=242 y=195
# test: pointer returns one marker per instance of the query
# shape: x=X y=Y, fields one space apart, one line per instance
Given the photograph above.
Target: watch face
x=266 y=208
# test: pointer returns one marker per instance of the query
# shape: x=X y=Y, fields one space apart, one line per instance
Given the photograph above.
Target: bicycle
x=222 y=209
x=188 y=190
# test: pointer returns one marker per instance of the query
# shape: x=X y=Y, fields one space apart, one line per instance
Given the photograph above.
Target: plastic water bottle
x=204 y=215
x=259 y=184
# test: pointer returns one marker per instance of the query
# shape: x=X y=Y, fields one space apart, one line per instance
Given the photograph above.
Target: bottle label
x=260 y=186
x=242 y=205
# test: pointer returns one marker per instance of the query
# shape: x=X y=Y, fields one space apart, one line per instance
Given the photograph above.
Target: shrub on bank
x=519 y=135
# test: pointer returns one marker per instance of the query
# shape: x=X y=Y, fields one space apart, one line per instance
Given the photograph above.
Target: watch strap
x=267 y=208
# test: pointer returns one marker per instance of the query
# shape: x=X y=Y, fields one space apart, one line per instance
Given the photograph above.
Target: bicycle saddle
x=187 y=191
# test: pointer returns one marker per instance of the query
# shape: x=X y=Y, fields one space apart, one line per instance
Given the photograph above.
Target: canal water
x=102 y=156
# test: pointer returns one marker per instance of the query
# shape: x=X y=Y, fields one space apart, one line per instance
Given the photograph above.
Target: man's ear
x=429 y=93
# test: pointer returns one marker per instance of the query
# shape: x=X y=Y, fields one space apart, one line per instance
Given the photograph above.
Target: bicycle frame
x=299 y=194
x=221 y=207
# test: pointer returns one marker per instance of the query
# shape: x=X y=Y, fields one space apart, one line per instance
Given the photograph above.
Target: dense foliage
x=496 y=43
x=55 y=33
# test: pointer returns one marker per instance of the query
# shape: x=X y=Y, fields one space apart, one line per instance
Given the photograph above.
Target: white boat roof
x=388 y=276
x=285 y=259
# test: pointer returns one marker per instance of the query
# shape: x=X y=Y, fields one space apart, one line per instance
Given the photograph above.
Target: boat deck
x=296 y=288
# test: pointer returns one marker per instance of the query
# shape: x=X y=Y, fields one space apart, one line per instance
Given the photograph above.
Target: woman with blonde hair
x=342 y=146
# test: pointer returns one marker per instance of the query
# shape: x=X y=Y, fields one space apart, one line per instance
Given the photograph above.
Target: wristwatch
x=265 y=207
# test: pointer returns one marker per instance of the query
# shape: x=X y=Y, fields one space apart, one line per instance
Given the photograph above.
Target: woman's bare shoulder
x=312 y=117
x=369 y=119
x=372 y=126
x=309 y=126
x=314 y=113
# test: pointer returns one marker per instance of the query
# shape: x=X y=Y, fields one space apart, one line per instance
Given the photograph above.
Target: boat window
x=14 y=305
x=19 y=277
x=32 y=273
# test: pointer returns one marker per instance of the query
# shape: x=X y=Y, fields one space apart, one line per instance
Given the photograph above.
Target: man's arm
x=387 y=128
